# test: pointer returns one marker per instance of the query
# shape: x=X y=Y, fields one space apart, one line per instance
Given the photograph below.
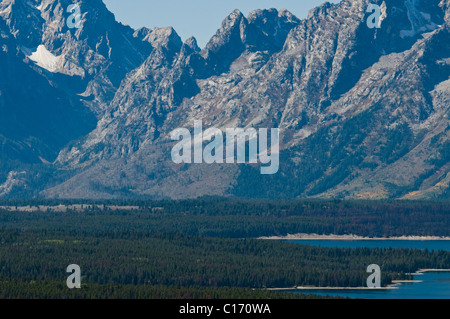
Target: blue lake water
x=415 y=244
x=434 y=285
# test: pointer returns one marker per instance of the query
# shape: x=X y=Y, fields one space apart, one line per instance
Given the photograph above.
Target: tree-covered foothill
x=237 y=218
x=179 y=260
x=205 y=248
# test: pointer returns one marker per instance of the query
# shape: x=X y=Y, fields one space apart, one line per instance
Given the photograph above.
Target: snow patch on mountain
x=43 y=58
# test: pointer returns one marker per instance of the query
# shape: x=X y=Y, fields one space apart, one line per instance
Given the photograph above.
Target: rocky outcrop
x=363 y=112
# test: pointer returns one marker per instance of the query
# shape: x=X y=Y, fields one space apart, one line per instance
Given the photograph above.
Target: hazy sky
x=200 y=18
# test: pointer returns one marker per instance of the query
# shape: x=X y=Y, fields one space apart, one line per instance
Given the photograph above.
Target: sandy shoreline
x=394 y=285
x=331 y=288
x=422 y=271
x=302 y=236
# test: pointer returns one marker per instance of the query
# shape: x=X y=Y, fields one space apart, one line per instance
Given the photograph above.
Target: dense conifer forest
x=205 y=248
x=238 y=218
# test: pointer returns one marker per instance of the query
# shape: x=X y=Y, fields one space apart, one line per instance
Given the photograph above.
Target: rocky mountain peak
x=263 y=30
x=227 y=44
x=287 y=15
x=192 y=44
x=141 y=33
x=93 y=59
x=362 y=112
x=268 y=29
x=165 y=37
x=234 y=18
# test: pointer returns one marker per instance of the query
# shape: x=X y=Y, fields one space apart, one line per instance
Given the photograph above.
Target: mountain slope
x=91 y=60
x=363 y=113
x=36 y=119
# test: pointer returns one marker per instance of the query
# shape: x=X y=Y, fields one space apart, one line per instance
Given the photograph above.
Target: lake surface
x=417 y=244
x=434 y=285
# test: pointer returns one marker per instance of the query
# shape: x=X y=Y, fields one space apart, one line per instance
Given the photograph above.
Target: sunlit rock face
x=362 y=112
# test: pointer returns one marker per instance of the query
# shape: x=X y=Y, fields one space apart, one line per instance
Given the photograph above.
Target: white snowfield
x=44 y=58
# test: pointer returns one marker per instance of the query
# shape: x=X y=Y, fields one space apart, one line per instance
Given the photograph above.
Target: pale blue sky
x=200 y=18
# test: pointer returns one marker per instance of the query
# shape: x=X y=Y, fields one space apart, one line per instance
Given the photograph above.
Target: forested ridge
x=238 y=218
x=58 y=290
x=206 y=248
x=179 y=260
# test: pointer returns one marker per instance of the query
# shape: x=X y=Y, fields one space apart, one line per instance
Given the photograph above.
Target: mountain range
x=363 y=113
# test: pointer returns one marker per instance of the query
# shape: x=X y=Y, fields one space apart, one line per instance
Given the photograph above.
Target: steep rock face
x=36 y=119
x=402 y=133
x=50 y=74
x=169 y=75
x=445 y=5
x=263 y=30
x=23 y=20
x=90 y=60
x=34 y=114
x=227 y=44
x=363 y=112
x=322 y=59
x=385 y=136
x=328 y=87
x=141 y=102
